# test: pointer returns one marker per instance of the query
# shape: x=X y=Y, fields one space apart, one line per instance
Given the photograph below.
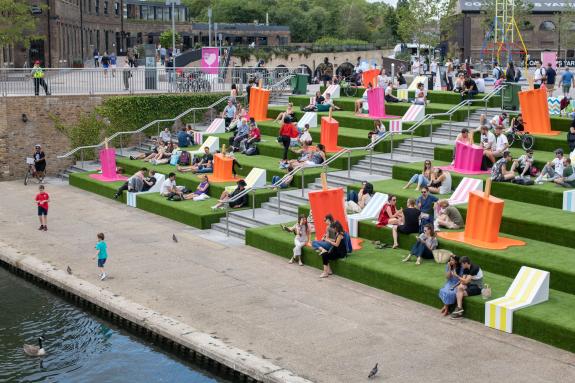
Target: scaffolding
x=504 y=31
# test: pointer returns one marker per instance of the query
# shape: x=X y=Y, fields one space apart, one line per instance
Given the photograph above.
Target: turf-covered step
x=548 y=194
x=519 y=218
x=549 y=322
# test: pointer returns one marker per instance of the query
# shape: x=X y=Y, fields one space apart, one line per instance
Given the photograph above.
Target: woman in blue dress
x=447 y=292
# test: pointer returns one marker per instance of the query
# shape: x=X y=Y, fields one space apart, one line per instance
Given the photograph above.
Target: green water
x=80 y=347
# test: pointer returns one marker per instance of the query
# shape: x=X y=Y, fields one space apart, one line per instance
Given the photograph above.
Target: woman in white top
x=302 y=233
x=362 y=102
x=363 y=198
x=288 y=113
x=305 y=137
x=420 y=98
x=440 y=182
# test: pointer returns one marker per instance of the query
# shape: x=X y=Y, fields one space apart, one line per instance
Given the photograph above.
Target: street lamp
x=209 y=26
x=173 y=3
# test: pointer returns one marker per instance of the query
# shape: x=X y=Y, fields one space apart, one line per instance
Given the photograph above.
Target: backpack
x=184 y=159
x=523 y=181
x=251 y=151
x=348 y=245
x=174 y=158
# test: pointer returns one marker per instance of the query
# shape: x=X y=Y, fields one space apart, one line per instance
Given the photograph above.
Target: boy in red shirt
x=42 y=199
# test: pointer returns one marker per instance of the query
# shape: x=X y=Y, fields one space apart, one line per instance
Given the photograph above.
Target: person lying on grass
x=238 y=203
x=203 y=164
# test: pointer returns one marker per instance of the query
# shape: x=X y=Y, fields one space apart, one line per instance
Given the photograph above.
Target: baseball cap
x=37 y=146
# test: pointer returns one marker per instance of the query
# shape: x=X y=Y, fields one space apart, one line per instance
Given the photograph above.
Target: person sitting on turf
x=149 y=181
x=469 y=89
x=567 y=180
x=146 y=156
x=553 y=169
x=389 y=215
x=329 y=101
x=337 y=250
x=470 y=284
x=499 y=172
x=305 y=136
x=229 y=153
x=359 y=102
x=358 y=201
x=517 y=125
x=254 y=136
x=225 y=197
x=421 y=179
x=571 y=137
x=389 y=97
x=229 y=113
x=241 y=134
x=302 y=231
x=447 y=216
x=498 y=121
x=288 y=113
x=523 y=164
x=487 y=142
x=169 y=188
x=314 y=158
x=164 y=155
x=420 y=97
x=377 y=131
x=166 y=136
x=425 y=204
x=459 y=83
x=318 y=100
x=183 y=138
x=447 y=292
x=304 y=153
x=134 y=184
x=286 y=180
x=410 y=218
x=203 y=164
x=440 y=182
x=328 y=236
x=423 y=248
x=201 y=192
x=501 y=143
x=464 y=137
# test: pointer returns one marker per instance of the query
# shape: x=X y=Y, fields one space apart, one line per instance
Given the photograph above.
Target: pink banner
x=210 y=60
x=549 y=57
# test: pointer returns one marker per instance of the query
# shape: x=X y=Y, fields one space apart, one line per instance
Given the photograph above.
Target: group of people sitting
x=300 y=143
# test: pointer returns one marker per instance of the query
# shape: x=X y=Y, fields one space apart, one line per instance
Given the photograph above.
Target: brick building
x=72 y=29
x=540 y=33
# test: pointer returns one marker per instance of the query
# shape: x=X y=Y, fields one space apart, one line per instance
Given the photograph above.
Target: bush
x=338 y=42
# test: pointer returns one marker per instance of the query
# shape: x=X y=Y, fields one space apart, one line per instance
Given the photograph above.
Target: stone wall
x=17 y=138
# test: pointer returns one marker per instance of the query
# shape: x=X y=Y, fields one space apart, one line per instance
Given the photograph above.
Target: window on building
x=116 y=8
x=97 y=7
x=105 y=7
x=547 y=26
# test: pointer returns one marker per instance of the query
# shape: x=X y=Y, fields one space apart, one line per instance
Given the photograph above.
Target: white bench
x=370 y=211
x=308 y=118
x=131 y=197
x=417 y=80
x=216 y=127
x=255 y=178
x=213 y=143
x=334 y=91
x=461 y=193
x=414 y=113
x=530 y=287
x=569 y=200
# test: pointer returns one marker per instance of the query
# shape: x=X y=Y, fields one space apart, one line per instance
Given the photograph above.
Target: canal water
x=80 y=347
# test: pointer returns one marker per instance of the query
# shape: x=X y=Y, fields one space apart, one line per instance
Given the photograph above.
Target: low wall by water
x=179 y=336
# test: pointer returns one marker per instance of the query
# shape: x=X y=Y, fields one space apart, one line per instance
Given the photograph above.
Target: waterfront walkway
x=331 y=330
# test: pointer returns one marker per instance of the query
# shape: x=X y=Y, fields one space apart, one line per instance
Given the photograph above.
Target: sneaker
x=103 y=276
x=45 y=228
x=41 y=227
x=458 y=310
x=456 y=316
x=132 y=157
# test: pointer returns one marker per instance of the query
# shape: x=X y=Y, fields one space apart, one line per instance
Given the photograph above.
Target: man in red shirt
x=42 y=200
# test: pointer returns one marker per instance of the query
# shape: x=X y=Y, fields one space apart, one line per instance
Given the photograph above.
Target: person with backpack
x=550 y=75
x=497 y=72
x=539 y=77
x=339 y=249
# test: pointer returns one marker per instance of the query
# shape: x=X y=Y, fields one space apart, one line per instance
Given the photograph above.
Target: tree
x=565 y=27
x=166 y=39
x=17 y=23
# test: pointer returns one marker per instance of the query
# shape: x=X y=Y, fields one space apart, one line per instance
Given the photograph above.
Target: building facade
x=73 y=29
x=540 y=31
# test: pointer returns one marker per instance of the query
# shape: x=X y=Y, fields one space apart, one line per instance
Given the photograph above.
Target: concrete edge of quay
x=180 y=333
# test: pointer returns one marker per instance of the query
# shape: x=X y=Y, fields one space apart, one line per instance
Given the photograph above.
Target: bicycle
x=527 y=140
x=32 y=173
x=349 y=86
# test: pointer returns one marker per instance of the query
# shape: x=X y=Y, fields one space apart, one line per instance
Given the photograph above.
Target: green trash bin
x=511 y=96
x=299 y=83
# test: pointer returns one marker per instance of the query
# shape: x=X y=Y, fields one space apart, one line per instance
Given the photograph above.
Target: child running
x=102 y=255
x=42 y=200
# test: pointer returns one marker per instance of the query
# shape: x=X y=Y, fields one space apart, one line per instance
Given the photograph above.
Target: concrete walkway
x=330 y=330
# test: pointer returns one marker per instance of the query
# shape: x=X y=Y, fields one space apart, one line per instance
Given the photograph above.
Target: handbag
x=441 y=255
x=279 y=139
x=486 y=292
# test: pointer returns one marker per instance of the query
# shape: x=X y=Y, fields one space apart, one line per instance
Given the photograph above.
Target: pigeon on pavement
x=69 y=270
x=174 y=238
x=373 y=372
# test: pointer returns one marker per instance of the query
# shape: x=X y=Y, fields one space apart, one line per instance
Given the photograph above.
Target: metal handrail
x=143 y=128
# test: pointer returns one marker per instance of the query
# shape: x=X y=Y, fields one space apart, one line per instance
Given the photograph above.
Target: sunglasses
x=424 y=192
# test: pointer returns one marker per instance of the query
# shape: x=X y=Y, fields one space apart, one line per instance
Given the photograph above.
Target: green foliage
x=17 y=24
x=331 y=41
x=565 y=25
x=166 y=39
x=89 y=130
x=309 y=20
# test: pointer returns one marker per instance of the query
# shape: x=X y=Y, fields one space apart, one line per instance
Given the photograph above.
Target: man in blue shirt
x=425 y=204
x=229 y=113
x=551 y=77
x=567 y=80
x=183 y=138
x=241 y=134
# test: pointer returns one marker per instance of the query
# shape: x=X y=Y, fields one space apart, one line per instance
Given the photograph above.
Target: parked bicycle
x=349 y=86
x=31 y=173
x=527 y=140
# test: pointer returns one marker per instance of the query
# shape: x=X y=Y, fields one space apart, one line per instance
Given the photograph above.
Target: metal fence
x=126 y=80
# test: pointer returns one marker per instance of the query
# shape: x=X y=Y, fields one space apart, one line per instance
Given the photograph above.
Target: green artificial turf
x=548 y=194
x=519 y=218
x=383 y=269
x=104 y=189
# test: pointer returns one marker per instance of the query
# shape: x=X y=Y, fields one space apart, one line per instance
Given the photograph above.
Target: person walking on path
x=96 y=55
x=567 y=80
x=42 y=200
x=38 y=76
x=113 y=60
x=102 y=255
